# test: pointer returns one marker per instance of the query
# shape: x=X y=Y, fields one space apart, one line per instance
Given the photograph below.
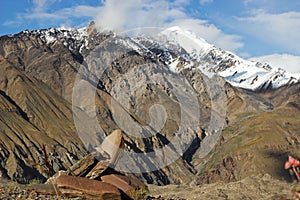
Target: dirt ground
x=258 y=187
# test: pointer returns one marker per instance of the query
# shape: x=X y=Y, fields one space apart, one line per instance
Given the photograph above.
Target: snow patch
x=237 y=71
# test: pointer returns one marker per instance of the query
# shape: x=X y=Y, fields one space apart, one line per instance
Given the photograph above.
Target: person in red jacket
x=293 y=166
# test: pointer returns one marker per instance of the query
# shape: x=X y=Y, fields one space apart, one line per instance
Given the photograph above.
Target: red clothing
x=292 y=162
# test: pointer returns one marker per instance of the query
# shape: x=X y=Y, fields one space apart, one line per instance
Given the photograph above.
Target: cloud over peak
x=280 y=30
x=132 y=14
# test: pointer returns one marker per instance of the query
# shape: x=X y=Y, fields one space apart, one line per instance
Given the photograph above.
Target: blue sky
x=265 y=29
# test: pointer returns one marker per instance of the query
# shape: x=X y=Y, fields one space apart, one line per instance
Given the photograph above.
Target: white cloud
x=79 y=11
x=39 y=12
x=64 y=17
x=42 y=16
x=278 y=30
x=210 y=33
x=131 y=14
x=289 y=62
x=120 y=15
x=202 y=2
x=41 y=5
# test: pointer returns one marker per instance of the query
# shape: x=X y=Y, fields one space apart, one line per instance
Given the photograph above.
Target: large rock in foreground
x=78 y=186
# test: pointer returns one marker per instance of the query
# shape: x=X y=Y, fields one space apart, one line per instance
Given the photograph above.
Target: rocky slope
x=36 y=102
x=46 y=77
x=32 y=115
x=257 y=143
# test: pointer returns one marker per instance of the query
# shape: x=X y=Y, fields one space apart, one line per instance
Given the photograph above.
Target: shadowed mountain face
x=33 y=115
x=38 y=71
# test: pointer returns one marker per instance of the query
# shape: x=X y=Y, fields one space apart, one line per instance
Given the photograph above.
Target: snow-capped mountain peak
x=180 y=49
x=73 y=39
x=237 y=71
x=187 y=40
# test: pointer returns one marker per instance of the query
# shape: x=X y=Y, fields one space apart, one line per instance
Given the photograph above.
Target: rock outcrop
x=93 y=178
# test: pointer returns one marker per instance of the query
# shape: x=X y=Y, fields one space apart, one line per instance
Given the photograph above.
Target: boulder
x=125 y=183
x=79 y=186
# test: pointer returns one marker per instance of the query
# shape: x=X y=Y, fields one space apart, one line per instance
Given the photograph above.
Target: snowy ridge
x=189 y=41
x=73 y=39
x=170 y=53
x=180 y=49
x=237 y=71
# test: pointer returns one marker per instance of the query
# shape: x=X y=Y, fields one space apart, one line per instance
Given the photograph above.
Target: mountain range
x=245 y=123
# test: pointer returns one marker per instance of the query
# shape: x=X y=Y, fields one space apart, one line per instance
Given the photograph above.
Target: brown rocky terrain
x=36 y=89
x=258 y=143
x=32 y=115
x=253 y=187
x=39 y=137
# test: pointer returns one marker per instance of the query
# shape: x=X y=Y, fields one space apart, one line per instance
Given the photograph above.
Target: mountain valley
x=224 y=119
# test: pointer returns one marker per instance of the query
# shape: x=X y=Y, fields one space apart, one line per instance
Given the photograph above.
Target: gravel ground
x=258 y=187
x=13 y=191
